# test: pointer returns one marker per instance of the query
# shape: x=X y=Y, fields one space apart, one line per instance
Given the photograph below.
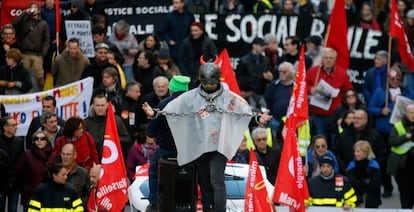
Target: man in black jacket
x=13 y=146
x=256 y=67
x=33 y=34
x=362 y=130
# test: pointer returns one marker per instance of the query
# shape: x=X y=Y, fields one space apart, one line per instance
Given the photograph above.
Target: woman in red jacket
x=74 y=132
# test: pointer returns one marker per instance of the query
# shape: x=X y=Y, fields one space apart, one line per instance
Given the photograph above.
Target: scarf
x=379 y=72
x=9 y=43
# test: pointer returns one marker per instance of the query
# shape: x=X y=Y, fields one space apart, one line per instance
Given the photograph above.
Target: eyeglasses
x=350 y=95
x=320 y=146
x=261 y=139
x=39 y=139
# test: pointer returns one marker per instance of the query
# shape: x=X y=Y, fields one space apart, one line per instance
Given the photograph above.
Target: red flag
x=336 y=37
x=227 y=72
x=57 y=14
x=291 y=188
x=298 y=105
x=256 y=197
x=112 y=191
x=397 y=30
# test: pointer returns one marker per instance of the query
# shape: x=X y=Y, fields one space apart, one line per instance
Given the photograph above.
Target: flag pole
x=388 y=69
x=326 y=39
x=57 y=44
x=57 y=20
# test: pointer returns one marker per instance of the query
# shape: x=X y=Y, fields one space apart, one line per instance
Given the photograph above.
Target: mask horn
x=216 y=61
x=202 y=62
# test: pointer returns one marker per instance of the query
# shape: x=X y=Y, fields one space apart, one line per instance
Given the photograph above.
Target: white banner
x=71 y=100
x=81 y=30
x=399 y=108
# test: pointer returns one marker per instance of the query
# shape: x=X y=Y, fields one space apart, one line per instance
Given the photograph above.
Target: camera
x=32 y=10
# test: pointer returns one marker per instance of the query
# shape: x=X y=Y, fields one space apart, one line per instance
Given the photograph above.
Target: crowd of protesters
x=351 y=134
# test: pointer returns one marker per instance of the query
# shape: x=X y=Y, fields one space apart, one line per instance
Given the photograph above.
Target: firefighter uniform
x=51 y=196
x=333 y=190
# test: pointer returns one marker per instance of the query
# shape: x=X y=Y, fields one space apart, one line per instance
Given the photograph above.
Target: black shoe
x=387 y=194
x=151 y=208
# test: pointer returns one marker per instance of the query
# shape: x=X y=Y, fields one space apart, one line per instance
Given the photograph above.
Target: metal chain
x=207 y=108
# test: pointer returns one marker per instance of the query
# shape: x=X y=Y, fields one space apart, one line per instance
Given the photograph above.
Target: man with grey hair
x=127 y=44
x=278 y=95
x=272 y=50
x=317 y=79
x=8 y=41
x=401 y=160
x=269 y=157
x=160 y=86
x=376 y=76
x=49 y=121
x=128 y=108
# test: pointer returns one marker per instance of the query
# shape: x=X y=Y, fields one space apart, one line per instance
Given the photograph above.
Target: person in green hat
x=158 y=128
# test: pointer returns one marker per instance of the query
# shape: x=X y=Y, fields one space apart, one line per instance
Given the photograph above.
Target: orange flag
x=256 y=198
x=227 y=72
x=397 y=30
x=336 y=36
x=291 y=188
x=112 y=191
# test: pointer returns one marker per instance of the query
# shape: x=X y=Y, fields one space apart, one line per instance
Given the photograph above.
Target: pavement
x=392 y=202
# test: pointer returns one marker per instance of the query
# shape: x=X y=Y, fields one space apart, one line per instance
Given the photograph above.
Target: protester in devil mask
x=212 y=113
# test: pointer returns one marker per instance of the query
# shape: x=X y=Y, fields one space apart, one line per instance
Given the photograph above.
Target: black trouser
x=386 y=178
x=210 y=169
x=404 y=178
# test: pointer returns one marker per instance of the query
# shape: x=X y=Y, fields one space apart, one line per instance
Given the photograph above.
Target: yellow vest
x=267 y=2
x=406 y=146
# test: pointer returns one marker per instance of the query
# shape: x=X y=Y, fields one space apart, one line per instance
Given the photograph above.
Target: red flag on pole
x=397 y=30
x=112 y=191
x=57 y=14
x=338 y=40
x=291 y=188
x=227 y=72
x=256 y=197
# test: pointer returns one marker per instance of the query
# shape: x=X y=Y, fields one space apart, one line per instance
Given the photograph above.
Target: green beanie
x=179 y=83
